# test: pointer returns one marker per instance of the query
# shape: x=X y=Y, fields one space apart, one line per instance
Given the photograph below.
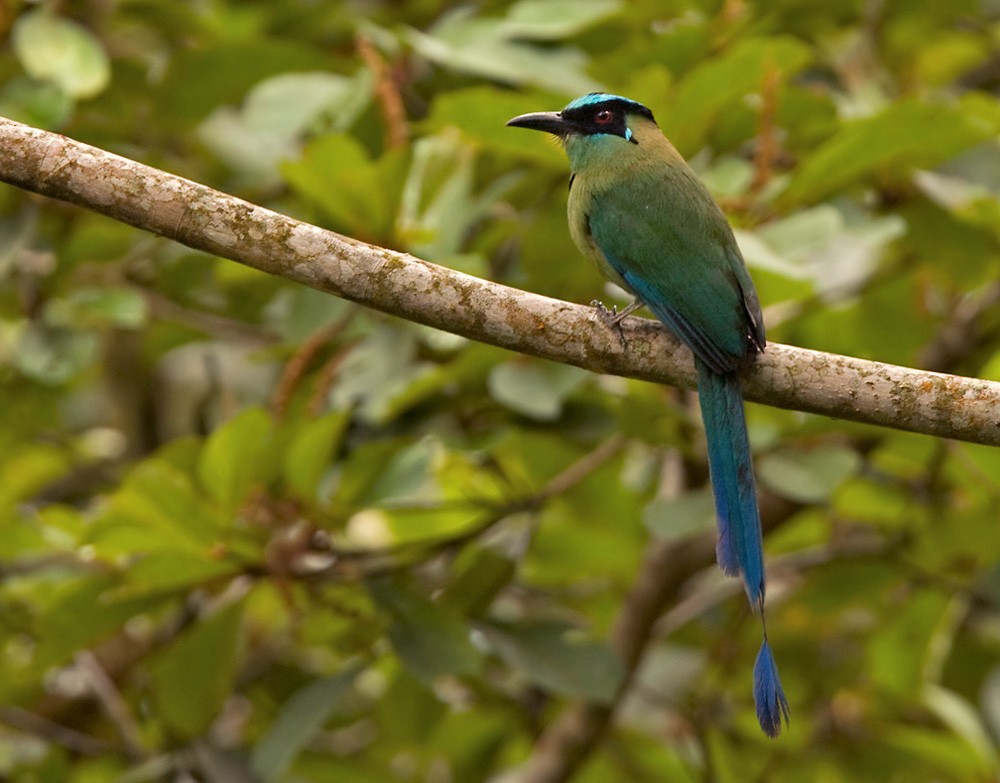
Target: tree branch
x=399 y=284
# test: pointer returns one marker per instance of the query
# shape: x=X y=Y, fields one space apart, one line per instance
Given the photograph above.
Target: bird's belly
x=579 y=230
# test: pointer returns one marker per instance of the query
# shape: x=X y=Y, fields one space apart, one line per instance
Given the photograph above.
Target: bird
x=641 y=214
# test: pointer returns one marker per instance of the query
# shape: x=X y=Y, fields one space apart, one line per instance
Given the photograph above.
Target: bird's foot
x=608 y=316
x=613 y=318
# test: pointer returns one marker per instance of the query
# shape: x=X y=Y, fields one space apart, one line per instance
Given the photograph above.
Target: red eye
x=604 y=116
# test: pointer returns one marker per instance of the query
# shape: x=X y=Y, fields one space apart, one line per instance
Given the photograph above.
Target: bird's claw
x=612 y=318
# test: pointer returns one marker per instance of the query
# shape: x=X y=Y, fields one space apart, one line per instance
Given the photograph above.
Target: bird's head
x=595 y=128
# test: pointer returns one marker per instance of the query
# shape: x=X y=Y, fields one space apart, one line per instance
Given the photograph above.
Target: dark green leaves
x=192 y=677
x=432 y=639
x=337 y=174
x=807 y=476
x=533 y=388
x=718 y=83
x=894 y=140
x=299 y=720
x=557 y=658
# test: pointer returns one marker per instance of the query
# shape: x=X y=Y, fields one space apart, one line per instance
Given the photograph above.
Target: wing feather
x=668 y=240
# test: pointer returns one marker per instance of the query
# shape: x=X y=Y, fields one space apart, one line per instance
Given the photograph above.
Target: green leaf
x=552 y=655
x=193 y=677
x=376 y=371
x=306 y=311
x=29 y=470
x=410 y=711
x=96 y=238
x=157 y=506
x=239 y=455
x=166 y=571
x=41 y=104
x=420 y=522
x=300 y=719
x=99 y=307
x=439 y=204
x=936 y=753
x=53 y=355
x=808 y=476
x=480 y=573
x=480 y=113
x=277 y=113
x=310 y=453
x=552 y=20
x=431 y=639
x=836 y=247
x=358 y=194
x=878 y=503
x=430 y=383
x=408 y=476
x=535 y=388
x=896 y=138
x=60 y=51
x=714 y=86
x=225 y=71
x=81 y=615
x=289 y=104
x=486 y=47
x=964 y=719
x=898 y=655
x=691 y=512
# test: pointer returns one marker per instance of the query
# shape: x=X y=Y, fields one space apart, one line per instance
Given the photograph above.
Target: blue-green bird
x=642 y=215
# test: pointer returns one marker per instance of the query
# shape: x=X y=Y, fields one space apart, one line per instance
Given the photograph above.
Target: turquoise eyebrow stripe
x=597 y=97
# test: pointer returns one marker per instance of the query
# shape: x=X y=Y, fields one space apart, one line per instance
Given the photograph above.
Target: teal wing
x=669 y=241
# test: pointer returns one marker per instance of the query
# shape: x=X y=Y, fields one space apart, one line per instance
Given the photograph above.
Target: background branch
x=399 y=284
x=666 y=567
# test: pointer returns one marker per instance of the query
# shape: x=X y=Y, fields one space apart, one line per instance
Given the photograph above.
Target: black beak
x=548 y=121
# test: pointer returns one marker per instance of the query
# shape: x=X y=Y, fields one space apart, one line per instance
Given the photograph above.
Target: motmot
x=638 y=210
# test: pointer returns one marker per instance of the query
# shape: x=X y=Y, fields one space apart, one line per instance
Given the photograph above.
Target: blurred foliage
x=252 y=533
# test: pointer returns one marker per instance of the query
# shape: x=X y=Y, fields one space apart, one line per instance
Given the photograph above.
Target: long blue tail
x=740 y=549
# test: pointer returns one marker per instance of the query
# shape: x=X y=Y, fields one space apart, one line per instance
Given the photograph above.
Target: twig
x=115 y=657
x=390 y=101
x=296 y=367
x=56 y=560
x=399 y=284
x=767 y=134
x=577 y=471
x=732 y=11
x=74 y=741
x=325 y=379
x=106 y=692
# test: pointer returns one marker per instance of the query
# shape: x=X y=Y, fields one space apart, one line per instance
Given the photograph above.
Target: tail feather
x=739 y=549
x=768 y=695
